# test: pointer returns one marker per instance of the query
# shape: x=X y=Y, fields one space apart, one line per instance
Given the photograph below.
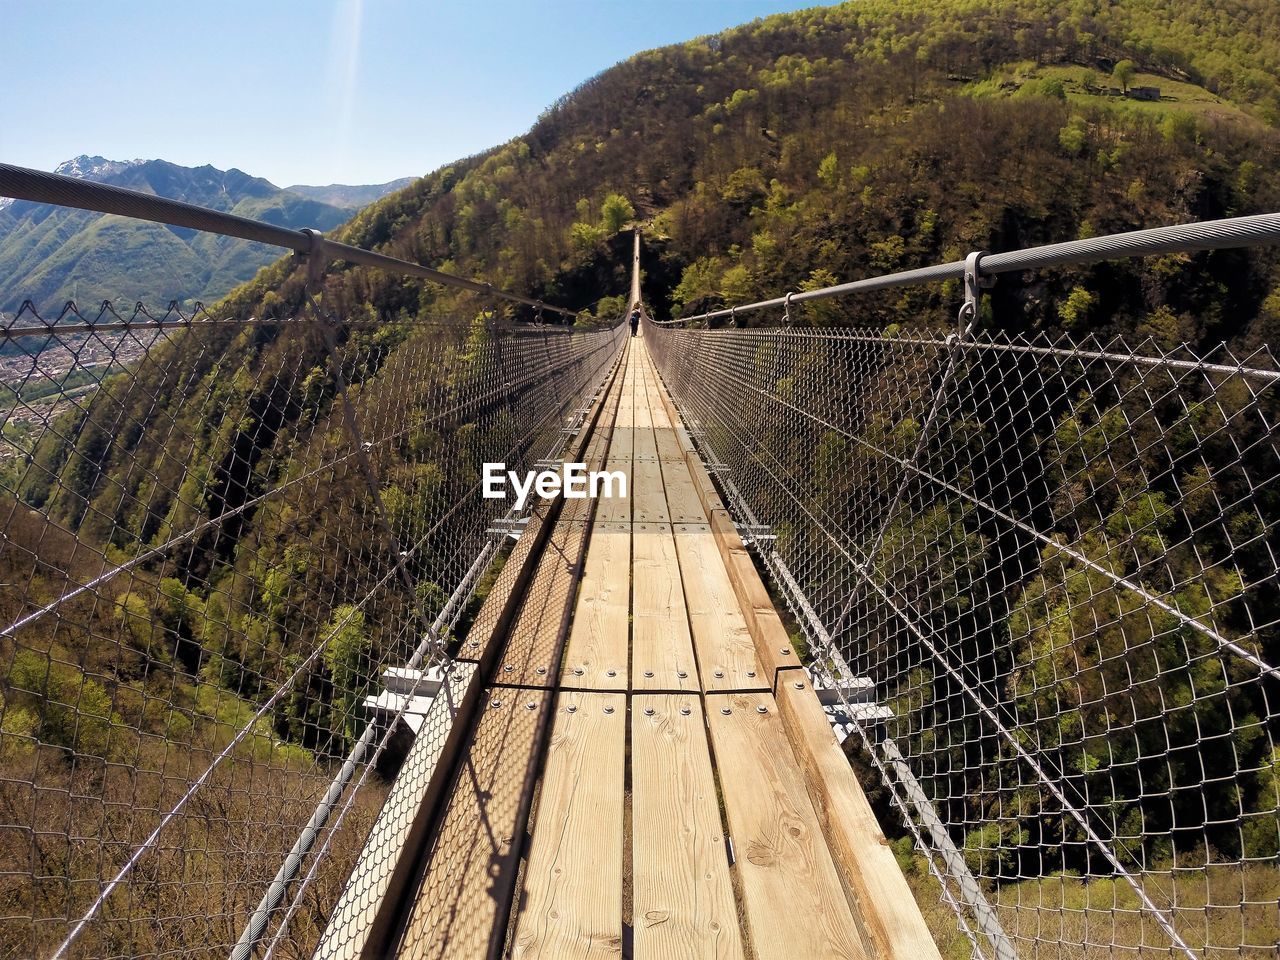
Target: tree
x=615 y=212
x=345 y=656
x=1123 y=73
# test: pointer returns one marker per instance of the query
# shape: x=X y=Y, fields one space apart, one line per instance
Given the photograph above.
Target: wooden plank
x=668 y=444
x=726 y=653
x=773 y=644
x=707 y=493
x=597 y=652
x=645 y=447
x=530 y=657
x=794 y=903
x=890 y=918
x=683 y=903
x=573 y=881
x=661 y=646
x=649 y=498
x=459 y=907
x=683 y=503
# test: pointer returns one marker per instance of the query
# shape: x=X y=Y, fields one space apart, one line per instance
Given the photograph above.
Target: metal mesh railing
x=216 y=535
x=1056 y=564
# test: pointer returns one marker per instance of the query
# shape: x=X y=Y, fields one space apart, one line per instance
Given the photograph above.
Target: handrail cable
x=23 y=183
x=1179 y=238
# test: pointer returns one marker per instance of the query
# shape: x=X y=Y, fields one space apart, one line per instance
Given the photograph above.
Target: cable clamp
x=974 y=284
x=318 y=259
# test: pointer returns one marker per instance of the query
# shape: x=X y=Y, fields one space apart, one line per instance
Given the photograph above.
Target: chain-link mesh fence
x=217 y=535
x=1056 y=564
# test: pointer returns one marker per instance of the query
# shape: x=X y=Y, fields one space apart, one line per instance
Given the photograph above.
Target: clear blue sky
x=325 y=91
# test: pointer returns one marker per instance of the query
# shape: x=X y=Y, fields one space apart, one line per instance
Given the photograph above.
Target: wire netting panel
x=215 y=536
x=1057 y=564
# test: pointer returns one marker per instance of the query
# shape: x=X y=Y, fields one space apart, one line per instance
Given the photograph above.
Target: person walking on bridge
x=635 y=321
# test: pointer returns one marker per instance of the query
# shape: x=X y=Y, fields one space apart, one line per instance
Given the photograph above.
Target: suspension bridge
x=279 y=680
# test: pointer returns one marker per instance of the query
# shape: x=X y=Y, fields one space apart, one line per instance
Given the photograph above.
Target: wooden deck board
x=726 y=653
x=530 y=655
x=573 y=882
x=793 y=900
x=683 y=901
x=649 y=499
x=596 y=657
x=472 y=863
x=661 y=646
x=683 y=503
x=887 y=911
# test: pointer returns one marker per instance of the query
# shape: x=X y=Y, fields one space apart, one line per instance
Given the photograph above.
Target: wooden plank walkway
x=650 y=774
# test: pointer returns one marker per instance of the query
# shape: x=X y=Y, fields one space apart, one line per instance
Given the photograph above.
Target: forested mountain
x=793 y=152
x=845 y=141
x=53 y=254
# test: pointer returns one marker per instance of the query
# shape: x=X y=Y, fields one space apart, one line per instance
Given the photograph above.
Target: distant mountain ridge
x=348 y=196
x=53 y=254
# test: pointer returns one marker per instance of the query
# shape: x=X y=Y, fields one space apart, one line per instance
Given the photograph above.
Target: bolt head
x=571 y=708
x=495 y=704
x=685 y=711
x=648 y=711
x=726 y=711
x=719 y=674
x=751 y=673
x=531 y=705
x=508 y=668
x=649 y=674
x=762 y=709
x=682 y=675
x=611 y=673
x=799 y=685
x=577 y=671
x=785 y=651
x=608 y=709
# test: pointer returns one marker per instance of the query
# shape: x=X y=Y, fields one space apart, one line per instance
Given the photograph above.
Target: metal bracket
x=318 y=259
x=974 y=284
x=755 y=534
x=508 y=527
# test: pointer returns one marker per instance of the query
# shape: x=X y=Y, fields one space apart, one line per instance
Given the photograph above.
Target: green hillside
x=841 y=142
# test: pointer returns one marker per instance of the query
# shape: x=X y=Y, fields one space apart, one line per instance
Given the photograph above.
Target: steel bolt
x=786 y=651
x=685 y=711
x=682 y=675
x=751 y=673
x=762 y=709
x=726 y=711
x=649 y=674
x=648 y=711
x=531 y=705
x=577 y=671
x=799 y=685
x=508 y=668
x=719 y=674
x=571 y=708
x=608 y=709
x=611 y=673
x=495 y=704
